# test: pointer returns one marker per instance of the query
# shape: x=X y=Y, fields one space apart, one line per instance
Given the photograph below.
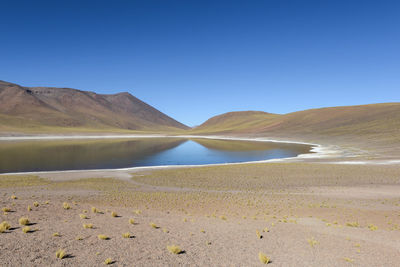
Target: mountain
x=60 y=109
x=372 y=125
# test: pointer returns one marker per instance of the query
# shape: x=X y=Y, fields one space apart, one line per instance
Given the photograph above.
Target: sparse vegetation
x=87 y=225
x=26 y=229
x=114 y=214
x=36 y=204
x=126 y=235
x=60 y=254
x=154 y=225
x=263 y=258
x=83 y=216
x=4 y=226
x=66 y=206
x=103 y=237
x=132 y=221
x=174 y=249
x=23 y=221
x=108 y=261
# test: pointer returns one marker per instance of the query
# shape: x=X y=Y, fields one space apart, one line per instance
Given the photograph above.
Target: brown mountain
x=368 y=126
x=60 y=109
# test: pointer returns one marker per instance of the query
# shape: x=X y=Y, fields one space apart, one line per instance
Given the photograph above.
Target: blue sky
x=196 y=59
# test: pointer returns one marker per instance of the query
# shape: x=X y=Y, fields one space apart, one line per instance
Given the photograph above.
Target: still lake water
x=84 y=154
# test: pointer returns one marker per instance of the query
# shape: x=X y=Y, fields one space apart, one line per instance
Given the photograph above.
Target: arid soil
x=315 y=214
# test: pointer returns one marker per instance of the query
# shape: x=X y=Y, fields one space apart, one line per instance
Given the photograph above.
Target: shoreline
x=316 y=152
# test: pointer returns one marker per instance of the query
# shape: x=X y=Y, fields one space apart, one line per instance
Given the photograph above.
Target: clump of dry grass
x=4 y=226
x=87 y=225
x=174 y=249
x=23 y=221
x=348 y=259
x=312 y=242
x=29 y=208
x=259 y=234
x=114 y=214
x=103 y=237
x=5 y=209
x=352 y=224
x=138 y=212
x=132 y=221
x=56 y=234
x=13 y=197
x=263 y=258
x=66 y=206
x=165 y=230
x=83 y=216
x=60 y=254
x=372 y=227
x=126 y=235
x=26 y=229
x=108 y=261
x=95 y=210
x=78 y=238
x=36 y=204
x=154 y=225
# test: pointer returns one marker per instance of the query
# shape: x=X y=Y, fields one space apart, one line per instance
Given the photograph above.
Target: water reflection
x=22 y=156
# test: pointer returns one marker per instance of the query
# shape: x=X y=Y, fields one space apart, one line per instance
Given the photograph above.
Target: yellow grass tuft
x=352 y=224
x=132 y=221
x=312 y=242
x=108 y=261
x=47 y=202
x=87 y=225
x=83 y=216
x=165 y=230
x=258 y=234
x=36 y=204
x=29 y=208
x=95 y=210
x=13 y=197
x=372 y=227
x=103 y=237
x=154 y=225
x=138 y=212
x=66 y=206
x=60 y=254
x=348 y=259
x=174 y=249
x=4 y=226
x=223 y=217
x=56 y=234
x=266 y=229
x=78 y=238
x=26 y=229
x=126 y=235
x=263 y=258
x=114 y=214
x=23 y=221
x=5 y=209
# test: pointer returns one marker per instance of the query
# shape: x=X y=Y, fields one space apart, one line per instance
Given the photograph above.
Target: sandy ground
x=215 y=222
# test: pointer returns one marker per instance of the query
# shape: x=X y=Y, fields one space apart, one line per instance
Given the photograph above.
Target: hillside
x=372 y=125
x=30 y=109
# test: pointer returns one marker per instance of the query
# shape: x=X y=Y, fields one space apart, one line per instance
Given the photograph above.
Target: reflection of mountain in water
x=82 y=154
x=232 y=145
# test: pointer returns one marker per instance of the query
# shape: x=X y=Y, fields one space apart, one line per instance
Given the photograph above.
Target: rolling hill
x=372 y=126
x=31 y=109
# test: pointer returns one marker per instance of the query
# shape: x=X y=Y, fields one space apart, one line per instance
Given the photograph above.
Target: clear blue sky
x=196 y=59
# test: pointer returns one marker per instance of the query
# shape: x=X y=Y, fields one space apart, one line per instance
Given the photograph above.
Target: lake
x=85 y=154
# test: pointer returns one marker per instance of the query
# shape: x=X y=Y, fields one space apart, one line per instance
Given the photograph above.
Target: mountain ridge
x=37 y=107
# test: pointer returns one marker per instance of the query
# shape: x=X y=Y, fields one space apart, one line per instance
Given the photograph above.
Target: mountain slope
x=372 y=125
x=36 y=108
